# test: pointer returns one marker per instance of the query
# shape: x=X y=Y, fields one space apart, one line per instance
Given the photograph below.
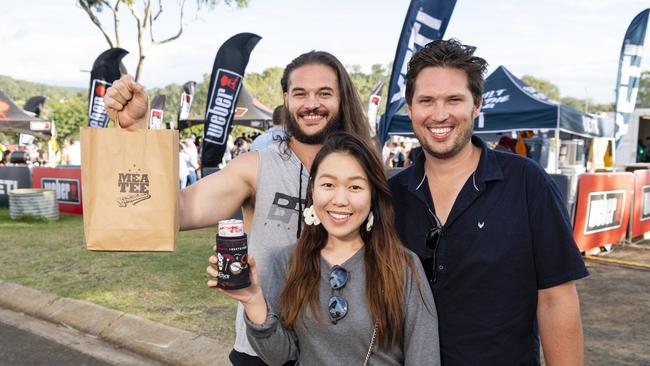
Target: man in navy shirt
x=490 y=227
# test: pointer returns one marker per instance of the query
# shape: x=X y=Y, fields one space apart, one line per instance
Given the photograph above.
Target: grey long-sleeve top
x=347 y=342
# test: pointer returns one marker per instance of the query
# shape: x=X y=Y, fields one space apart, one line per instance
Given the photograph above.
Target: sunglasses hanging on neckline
x=337 y=305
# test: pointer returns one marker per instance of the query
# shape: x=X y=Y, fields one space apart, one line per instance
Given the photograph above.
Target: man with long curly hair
x=270 y=185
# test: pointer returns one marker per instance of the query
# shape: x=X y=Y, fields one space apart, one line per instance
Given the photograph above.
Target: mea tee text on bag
x=130 y=189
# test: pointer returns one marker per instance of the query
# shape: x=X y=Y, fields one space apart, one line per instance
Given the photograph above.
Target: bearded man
x=270 y=185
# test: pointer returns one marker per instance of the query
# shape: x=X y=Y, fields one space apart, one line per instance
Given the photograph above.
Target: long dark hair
x=385 y=257
x=351 y=114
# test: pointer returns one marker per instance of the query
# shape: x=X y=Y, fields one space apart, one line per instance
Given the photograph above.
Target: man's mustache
x=318 y=111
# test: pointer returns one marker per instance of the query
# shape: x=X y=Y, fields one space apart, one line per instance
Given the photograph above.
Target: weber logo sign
x=97 y=116
x=221 y=106
x=604 y=211
x=67 y=190
x=133 y=186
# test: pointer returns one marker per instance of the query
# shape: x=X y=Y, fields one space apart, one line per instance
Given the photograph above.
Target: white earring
x=310 y=216
x=371 y=220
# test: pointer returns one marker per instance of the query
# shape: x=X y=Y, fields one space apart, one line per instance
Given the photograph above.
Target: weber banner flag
x=225 y=84
x=629 y=72
x=426 y=20
x=106 y=69
x=157 y=112
x=187 y=97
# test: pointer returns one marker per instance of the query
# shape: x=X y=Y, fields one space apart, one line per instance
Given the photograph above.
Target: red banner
x=641 y=209
x=67 y=184
x=602 y=209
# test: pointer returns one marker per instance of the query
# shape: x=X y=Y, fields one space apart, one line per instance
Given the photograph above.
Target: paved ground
x=125 y=332
x=615 y=304
x=21 y=347
x=28 y=341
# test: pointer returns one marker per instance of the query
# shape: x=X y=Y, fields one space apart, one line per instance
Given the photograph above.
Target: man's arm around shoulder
x=219 y=195
x=560 y=327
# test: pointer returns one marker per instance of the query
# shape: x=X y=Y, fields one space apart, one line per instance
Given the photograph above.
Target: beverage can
x=232 y=255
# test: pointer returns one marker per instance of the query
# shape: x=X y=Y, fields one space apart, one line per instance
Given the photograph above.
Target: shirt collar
x=488 y=168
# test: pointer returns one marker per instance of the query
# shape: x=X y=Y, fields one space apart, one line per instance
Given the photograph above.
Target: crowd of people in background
x=38 y=153
x=188 y=158
x=397 y=152
x=401 y=152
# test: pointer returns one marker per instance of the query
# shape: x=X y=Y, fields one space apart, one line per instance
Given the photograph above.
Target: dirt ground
x=615 y=305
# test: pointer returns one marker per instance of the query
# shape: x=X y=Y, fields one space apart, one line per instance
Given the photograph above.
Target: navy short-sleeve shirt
x=507 y=236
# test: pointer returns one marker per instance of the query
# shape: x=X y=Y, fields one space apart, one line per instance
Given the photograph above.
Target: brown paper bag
x=130 y=188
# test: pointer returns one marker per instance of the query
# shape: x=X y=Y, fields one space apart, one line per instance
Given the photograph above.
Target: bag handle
x=117 y=120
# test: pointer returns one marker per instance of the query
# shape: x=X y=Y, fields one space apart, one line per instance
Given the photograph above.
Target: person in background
x=275 y=133
x=228 y=154
x=413 y=155
x=241 y=145
x=193 y=164
x=74 y=153
x=490 y=228
x=65 y=152
x=348 y=284
x=4 y=153
x=5 y=158
x=398 y=158
x=184 y=163
x=506 y=144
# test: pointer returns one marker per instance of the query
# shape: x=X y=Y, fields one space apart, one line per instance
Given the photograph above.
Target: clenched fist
x=125 y=101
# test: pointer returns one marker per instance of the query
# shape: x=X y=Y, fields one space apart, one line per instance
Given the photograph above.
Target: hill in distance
x=20 y=90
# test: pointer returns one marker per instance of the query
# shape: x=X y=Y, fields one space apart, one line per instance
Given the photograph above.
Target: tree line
x=68 y=107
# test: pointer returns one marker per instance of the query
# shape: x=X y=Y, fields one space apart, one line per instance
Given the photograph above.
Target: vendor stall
x=15 y=119
x=509 y=104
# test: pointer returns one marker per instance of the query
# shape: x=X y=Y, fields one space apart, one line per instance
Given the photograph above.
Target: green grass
x=169 y=288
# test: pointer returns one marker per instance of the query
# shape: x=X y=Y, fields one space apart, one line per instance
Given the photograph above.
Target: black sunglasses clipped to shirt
x=431 y=241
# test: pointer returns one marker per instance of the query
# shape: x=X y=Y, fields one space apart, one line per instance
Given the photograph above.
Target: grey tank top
x=275 y=220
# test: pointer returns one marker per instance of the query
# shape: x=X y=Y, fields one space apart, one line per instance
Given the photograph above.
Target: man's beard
x=293 y=129
x=463 y=139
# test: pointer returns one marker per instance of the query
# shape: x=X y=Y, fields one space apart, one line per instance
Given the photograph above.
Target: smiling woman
x=341 y=196
x=348 y=284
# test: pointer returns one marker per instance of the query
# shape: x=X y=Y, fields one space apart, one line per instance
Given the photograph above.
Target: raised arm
x=219 y=195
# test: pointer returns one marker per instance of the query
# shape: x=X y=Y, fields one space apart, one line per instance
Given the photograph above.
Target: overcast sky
x=574 y=44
